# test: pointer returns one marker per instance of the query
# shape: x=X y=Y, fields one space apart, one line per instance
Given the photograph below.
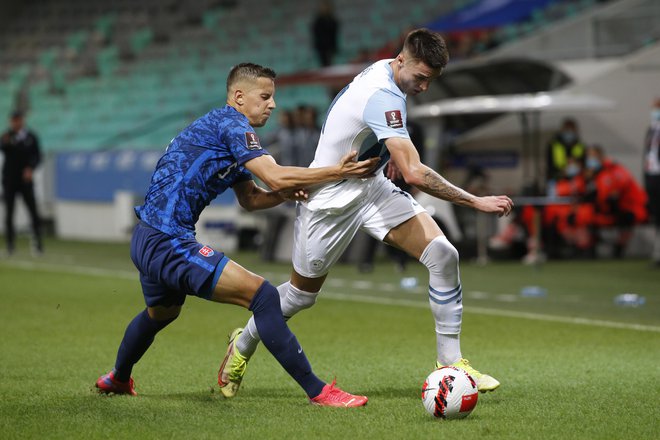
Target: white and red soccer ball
x=449 y=393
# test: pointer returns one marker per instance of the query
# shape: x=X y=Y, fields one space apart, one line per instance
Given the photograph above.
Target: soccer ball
x=449 y=393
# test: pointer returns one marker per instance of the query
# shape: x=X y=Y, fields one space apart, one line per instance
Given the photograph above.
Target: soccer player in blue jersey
x=369 y=115
x=219 y=151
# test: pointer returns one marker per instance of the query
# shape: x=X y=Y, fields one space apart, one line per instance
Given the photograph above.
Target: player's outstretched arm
x=252 y=197
x=279 y=178
x=417 y=174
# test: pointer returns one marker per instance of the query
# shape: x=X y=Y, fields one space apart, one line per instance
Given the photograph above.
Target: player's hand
x=27 y=175
x=294 y=195
x=500 y=205
x=393 y=172
x=364 y=168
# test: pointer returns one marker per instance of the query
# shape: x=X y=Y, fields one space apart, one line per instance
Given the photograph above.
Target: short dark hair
x=249 y=71
x=427 y=46
x=569 y=122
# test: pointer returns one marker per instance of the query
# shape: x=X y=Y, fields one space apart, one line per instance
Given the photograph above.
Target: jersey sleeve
x=243 y=143
x=242 y=176
x=385 y=114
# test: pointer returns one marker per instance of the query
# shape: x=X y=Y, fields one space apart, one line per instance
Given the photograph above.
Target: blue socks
x=138 y=337
x=279 y=340
x=272 y=328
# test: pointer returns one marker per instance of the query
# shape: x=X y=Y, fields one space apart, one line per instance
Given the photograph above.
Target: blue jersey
x=203 y=161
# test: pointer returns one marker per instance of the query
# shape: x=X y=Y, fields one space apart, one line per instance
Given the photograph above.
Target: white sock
x=449 y=348
x=292 y=300
x=248 y=341
x=445 y=297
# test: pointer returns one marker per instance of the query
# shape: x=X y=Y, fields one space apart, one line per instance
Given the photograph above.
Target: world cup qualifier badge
x=252 y=141
x=206 y=251
x=394 y=119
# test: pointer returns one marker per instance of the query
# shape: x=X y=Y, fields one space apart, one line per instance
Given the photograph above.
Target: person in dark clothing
x=652 y=176
x=20 y=147
x=325 y=29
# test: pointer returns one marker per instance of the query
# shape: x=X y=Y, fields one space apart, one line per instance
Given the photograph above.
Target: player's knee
x=295 y=300
x=163 y=313
x=440 y=256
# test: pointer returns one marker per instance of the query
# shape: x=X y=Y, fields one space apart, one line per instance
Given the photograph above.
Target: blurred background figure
x=652 y=176
x=619 y=201
x=566 y=143
x=607 y=202
x=281 y=140
x=325 y=32
x=20 y=147
x=306 y=135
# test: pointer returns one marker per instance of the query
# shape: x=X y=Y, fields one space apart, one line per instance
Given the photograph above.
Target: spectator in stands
x=281 y=141
x=325 y=33
x=652 y=176
x=566 y=143
x=21 y=156
x=306 y=135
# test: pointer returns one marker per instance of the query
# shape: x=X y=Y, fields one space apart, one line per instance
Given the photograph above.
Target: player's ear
x=239 y=96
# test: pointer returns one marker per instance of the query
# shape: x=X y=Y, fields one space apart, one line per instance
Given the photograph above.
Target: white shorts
x=322 y=236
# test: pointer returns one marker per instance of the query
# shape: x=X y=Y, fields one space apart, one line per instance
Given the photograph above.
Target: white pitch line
x=132 y=276
x=493 y=312
x=70 y=269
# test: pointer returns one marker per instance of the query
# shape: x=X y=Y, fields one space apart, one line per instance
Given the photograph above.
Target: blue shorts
x=171 y=268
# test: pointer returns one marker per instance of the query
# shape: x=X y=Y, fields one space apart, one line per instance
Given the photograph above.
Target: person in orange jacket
x=606 y=195
x=618 y=199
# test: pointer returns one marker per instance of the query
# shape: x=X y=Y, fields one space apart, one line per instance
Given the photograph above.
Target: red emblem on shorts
x=394 y=119
x=252 y=141
x=206 y=251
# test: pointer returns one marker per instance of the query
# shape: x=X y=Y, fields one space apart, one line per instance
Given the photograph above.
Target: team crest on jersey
x=207 y=251
x=394 y=119
x=252 y=141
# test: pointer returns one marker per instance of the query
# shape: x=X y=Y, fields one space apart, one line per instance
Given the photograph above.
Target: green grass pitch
x=572 y=364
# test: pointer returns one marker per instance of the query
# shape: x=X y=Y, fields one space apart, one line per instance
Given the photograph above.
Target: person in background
x=280 y=141
x=566 y=143
x=605 y=195
x=619 y=201
x=306 y=135
x=325 y=33
x=20 y=147
x=652 y=176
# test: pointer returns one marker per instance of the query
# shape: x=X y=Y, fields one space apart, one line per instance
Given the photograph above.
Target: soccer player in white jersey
x=369 y=115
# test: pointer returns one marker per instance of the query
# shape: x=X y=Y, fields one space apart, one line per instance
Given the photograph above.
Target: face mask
x=655 y=115
x=592 y=163
x=568 y=137
x=572 y=170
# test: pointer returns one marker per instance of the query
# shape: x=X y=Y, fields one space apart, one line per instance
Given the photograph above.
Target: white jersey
x=364 y=114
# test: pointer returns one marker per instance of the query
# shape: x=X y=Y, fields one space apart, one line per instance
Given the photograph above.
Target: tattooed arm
x=417 y=174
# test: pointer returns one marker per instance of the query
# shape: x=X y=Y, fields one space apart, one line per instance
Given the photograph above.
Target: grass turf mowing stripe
x=130 y=275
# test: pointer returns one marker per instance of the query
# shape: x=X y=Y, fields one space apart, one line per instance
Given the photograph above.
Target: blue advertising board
x=96 y=176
